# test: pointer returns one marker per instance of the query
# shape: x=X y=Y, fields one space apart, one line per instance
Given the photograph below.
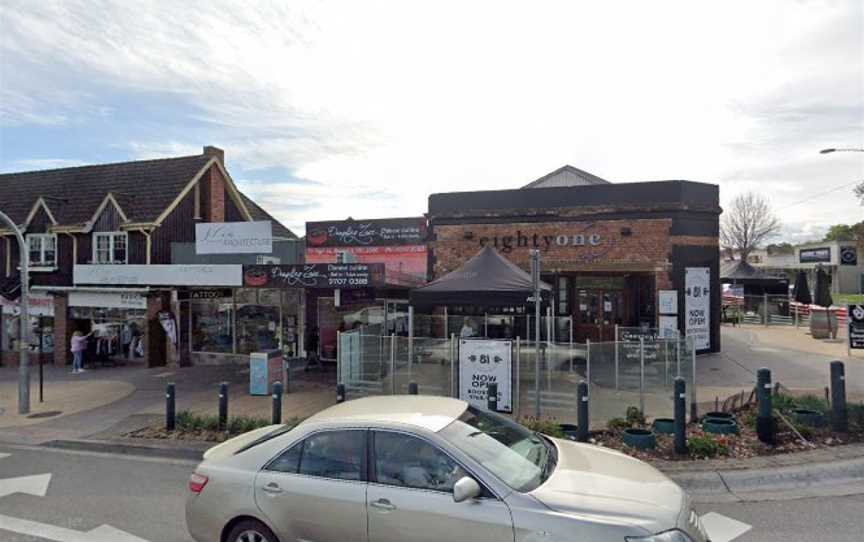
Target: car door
x=316 y=490
x=410 y=496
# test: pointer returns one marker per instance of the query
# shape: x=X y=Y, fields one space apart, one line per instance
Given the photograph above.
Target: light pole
x=24 y=322
x=828 y=151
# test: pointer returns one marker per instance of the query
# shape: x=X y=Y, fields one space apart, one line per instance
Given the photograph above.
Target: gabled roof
x=258 y=213
x=145 y=187
x=566 y=176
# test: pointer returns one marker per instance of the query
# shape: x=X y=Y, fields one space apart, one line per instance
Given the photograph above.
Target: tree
x=748 y=223
x=780 y=248
x=845 y=232
x=859 y=192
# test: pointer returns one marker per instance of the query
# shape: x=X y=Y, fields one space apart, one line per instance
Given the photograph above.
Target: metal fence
x=620 y=374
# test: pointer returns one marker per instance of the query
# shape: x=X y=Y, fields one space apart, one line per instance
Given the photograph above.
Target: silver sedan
x=427 y=469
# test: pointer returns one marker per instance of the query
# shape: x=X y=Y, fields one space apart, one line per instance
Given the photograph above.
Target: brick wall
x=217 y=195
x=603 y=245
x=62 y=331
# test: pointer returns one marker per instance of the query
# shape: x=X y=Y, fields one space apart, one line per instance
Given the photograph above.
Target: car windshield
x=521 y=458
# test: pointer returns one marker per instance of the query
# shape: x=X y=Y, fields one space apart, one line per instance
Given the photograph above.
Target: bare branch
x=748 y=223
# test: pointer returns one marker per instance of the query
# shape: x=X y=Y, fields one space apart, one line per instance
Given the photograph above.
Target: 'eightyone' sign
x=697 y=305
x=481 y=363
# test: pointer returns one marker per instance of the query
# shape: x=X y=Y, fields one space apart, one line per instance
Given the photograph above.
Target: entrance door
x=597 y=312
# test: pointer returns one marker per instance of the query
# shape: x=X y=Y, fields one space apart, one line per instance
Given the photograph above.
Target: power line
x=817 y=196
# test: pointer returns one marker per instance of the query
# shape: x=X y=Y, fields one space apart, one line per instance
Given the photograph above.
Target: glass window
x=288 y=461
x=406 y=461
x=521 y=458
x=563 y=295
x=110 y=247
x=42 y=249
x=211 y=326
x=334 y=454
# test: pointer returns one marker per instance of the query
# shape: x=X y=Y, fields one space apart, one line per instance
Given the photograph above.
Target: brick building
x=111 y=216
x=608 y=249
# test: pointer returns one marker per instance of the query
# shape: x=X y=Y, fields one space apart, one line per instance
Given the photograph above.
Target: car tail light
x=197 y=482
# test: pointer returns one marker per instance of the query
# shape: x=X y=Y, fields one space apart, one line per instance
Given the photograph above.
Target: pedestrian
x=79 y=345
x=312 y=350
x=467 y=329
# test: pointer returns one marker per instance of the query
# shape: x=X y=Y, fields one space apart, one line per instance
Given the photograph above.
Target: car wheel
x=250 y=530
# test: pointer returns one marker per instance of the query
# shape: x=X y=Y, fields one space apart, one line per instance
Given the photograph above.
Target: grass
x=848 y=299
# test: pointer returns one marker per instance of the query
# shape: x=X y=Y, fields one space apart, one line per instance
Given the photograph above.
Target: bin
x=265 y=369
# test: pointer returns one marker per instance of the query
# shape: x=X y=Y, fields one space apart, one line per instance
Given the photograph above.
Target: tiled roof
x=258 y=213
x=143 y=188
x=566 y=176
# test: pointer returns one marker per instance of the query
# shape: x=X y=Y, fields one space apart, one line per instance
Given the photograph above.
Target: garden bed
x=745 y=444
x=204 y=428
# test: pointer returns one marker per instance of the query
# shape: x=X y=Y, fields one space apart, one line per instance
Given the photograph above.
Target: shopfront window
x=212 y=325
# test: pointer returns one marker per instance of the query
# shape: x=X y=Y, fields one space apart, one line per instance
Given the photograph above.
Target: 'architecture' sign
x=234 y=238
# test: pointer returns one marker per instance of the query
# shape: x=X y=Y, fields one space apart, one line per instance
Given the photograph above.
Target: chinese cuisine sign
x=481 y=363
x=697 y=303
x=332 y=275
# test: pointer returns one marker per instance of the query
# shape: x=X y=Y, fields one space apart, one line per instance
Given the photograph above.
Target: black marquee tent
x=486 y=279
x=755 y=281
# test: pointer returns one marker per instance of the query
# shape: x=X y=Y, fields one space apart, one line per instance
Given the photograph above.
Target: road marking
x=721 y=528
x=4 y=456
x=163 y=375
x=36 y=485
x=103 y=533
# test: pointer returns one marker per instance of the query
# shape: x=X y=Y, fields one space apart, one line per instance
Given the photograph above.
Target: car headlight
x=666 y=536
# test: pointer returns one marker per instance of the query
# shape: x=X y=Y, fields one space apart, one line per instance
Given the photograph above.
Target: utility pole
x=24 y=322
x=535 y=282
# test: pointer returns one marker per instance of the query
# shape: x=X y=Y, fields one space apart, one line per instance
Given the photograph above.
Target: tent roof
x=741 y=272
x=486 y=279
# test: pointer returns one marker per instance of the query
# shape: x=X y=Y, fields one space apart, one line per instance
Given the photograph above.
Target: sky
x=333 y=109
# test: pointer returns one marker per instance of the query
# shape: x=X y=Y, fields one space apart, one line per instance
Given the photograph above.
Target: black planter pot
x=665 y=426
x=812 y=418
x=720 y=427
x=642 y=439
x=718 y=416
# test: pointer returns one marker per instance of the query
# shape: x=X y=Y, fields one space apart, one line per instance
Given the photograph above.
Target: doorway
x=598 y=311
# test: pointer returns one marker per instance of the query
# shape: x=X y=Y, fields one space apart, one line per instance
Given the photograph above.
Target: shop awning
x=741 y=272
x=486 y=279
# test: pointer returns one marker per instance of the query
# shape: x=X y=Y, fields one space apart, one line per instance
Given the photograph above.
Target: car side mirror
x=466 y=488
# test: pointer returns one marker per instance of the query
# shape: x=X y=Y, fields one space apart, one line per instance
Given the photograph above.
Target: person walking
x=79 y=345
x=312 y=350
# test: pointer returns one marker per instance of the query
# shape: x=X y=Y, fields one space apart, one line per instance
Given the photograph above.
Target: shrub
x=811 y=402
x=783 y=402
x=546 y=426
x=635 y=417
x=749 y=420
x=617 y=424
x=855 y=416
x=706 y=446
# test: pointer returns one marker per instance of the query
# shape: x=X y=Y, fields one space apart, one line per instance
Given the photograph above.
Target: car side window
x=332 y=454
x=406 y=461
x=288 y=461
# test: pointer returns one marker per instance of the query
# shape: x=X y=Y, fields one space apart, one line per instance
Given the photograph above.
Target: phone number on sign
x=349 y=282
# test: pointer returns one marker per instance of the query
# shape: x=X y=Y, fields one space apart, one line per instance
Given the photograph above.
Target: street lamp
x=24 y=323
x=828 y=151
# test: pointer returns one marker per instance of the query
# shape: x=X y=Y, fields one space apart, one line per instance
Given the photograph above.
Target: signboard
x=210 y=293
x=160 y=275
x=697 y=306
x=848 y=256
x=482 y=362
x=169 y=324
x=814 y=255
x=360 y=233
x=38 y=305
x=668 y=302
x=668 y=327
x=265 y=369
x=332 y=275
x=405 y=265
x=631 y=347
x=856 y=326
x=234 y=238
x=108 y=300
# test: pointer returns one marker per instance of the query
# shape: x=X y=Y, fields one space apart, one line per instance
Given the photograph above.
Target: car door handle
x=383 y=504
x=272 y=489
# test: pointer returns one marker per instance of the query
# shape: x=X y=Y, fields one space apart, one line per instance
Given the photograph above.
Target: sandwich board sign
x=482 y=362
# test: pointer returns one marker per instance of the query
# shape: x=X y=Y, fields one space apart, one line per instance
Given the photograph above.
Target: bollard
x=492 y=397
x=340 y=393
x=765 y=418
x=412 y=388
x=582 y=412
x=276 y=414
x=223 y=406
x=170 y=408
x=287 y=387
x=839 y=421
x=680 y=416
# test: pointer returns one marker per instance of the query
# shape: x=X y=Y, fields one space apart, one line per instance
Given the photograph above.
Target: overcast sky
x=331 y=109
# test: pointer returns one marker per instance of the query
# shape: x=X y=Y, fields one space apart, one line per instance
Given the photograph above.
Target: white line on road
x=721 y=528
x=4 y=456
x=36 y=485
x=103 y=533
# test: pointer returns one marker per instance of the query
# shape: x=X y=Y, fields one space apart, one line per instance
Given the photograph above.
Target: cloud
x=330 y=109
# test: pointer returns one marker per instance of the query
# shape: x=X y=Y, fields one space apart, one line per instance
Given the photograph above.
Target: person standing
x=79 y=345
x=312 y=350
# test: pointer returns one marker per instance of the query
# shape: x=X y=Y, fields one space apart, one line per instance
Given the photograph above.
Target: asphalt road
x=90 y=495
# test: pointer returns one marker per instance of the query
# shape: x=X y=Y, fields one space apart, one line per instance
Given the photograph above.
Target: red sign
x=404 y=265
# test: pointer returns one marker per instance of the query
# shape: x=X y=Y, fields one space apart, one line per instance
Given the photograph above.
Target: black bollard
x=412 y=388
x=287 y=388
x=839 y=420
x=340 y=393
x=680 y=416
x=765 y=418
x=582 y=412
x=492 y=397
x=170 y=408
x=276 y=414
x=223 y=406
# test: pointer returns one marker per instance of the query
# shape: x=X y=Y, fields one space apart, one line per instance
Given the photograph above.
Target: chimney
x=215 y=152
